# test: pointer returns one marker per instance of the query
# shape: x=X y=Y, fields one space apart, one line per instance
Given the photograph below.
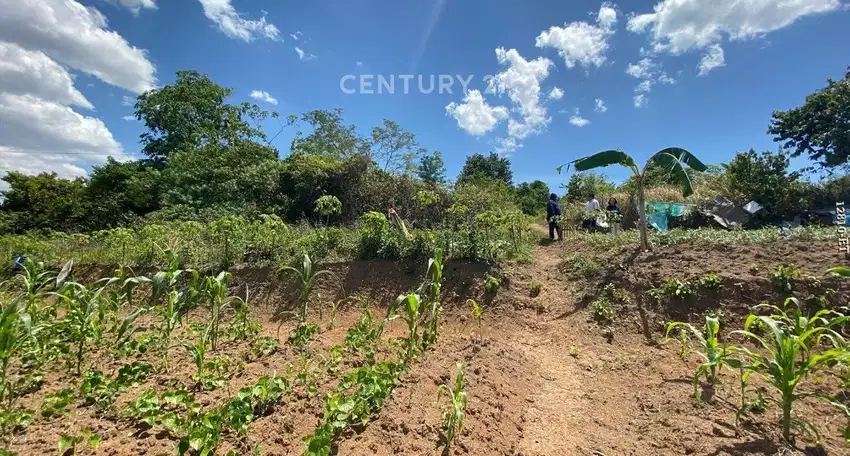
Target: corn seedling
x=83 y=317
x=306 y=277
x=784 y=360
x=13 y=335
x=242 y=327
x=430 y=292
x=411 y=306
x=713 y=355
x=453 y=417
x=170 y=314
x=216 y=289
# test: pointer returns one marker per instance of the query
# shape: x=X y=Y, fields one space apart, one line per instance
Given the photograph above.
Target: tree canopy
x=820 y=128
x=493 y=167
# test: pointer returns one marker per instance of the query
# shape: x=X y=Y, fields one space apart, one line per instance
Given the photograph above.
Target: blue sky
x=697 y=74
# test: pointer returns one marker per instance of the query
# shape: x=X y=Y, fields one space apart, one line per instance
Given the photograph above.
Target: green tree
x=216 y=180
x=820 y=128
x=330 y=136
x=533 y=197
x=673 y=158
x=120 y=192
x=394 y=148
x=191 y=113
x=492 y=167
x=581 y=185
x=765 y=178
x=43 y=202
x=432 y=169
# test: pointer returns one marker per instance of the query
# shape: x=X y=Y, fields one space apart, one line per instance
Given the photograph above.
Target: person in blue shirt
x=553 y=209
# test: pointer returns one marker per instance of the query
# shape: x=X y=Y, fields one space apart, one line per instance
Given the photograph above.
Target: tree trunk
x=644 y=244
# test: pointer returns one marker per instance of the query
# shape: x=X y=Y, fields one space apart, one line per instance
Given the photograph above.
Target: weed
x=56 y=403
x=710 y=281
x=535 y=288
x=784 y=277
x=262 y=347
x=69 y=443
x=492 y=285
x=303 y=334
x=602 y=310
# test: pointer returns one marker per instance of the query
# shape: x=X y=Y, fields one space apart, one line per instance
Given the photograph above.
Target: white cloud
x=640 y=100
x=40 y=42
x=556 y=93
x=474 y=115
x=359 y=63
x=644 y=87
x=24 y=72
x=600 y=105
x=263 y=96
x=641 y=70
x=128 y=101
x=581 y=43
x=678 y=26
x=134 y=5
x=303 y=55
x=521 y=81
x=713 y=58
x=664 y=78
x=232 y=24
x=128 y=118
x=577 y=120
x=296 y=36
x=76 y=36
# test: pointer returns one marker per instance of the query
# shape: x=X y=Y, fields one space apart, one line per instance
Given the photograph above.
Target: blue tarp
x=658 y=213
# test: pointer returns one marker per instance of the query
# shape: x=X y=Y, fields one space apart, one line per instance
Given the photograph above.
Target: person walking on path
x=553 y=210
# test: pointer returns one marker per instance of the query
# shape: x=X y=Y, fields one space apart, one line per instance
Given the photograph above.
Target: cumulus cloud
x=76 y=36
x=263 y=96
x=678 y=26
x=713 y=58
x=34 y=73
x=641 y=70
x=556 y=93
x=474 y=115
x=640 y=100
x=521 y=82
x=232 y=24
x=577 y=120
x=134 y=5
x=41 y=42
x=582 y=43
x=600 y=106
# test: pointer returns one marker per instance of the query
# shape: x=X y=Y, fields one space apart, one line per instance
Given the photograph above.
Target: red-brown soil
x=540 y=376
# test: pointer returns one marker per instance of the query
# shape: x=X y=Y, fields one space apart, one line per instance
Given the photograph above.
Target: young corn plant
x=713 y=355
x=785 y=358
x=216 y=289
x=430 y=291
x=306 y=277
x=242 y=328
x=15 y=330
x=411 y=306
x=83 y=317
x=170 y=313
x=476 y=312
x=453 y=417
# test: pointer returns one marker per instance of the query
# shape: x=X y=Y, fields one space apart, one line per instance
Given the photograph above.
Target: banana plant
x=675 y=159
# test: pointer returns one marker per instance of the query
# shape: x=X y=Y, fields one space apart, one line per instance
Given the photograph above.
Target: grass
x=703 y=236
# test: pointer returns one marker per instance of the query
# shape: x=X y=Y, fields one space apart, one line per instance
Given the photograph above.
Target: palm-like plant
x=674 y=159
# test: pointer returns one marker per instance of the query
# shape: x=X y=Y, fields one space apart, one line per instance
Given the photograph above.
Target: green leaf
x=605 y=158
x=842 y=271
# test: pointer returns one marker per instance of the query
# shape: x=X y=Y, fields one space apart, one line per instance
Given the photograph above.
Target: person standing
x=553 y=210
x=590 y=209
x=615 y=215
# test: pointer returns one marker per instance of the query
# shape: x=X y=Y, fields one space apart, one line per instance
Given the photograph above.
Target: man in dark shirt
x=553 y=209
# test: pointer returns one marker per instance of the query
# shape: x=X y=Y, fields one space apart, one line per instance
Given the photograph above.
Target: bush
x=378 y=238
